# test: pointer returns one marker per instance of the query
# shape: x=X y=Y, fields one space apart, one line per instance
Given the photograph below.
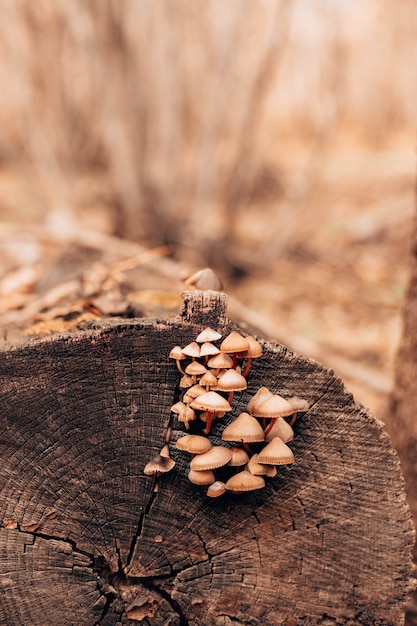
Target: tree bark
x=87 y=539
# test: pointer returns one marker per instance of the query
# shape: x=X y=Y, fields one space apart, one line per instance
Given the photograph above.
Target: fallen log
x=86 y=538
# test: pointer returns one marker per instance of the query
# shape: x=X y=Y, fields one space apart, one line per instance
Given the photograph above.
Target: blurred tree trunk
x=403 y=404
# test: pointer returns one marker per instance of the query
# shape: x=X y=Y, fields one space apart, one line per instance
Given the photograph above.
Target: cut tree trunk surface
x=86 y=538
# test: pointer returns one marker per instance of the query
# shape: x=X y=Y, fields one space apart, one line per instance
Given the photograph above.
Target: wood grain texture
x=85 y=540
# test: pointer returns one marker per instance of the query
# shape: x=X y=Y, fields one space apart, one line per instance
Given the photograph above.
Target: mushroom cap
x=259 y=469
x=208 y=334
x=217 y=456
x=208 y=379
x=177 y=407
x=165 y=451
x=186 y=381
x=216 y=489
x=208 y=349
x=195 y=369
x=299 y=404
x=201 y=477
x=194 y=444
x=234 y=342
x=239 y=457
x=177 y=353
x=211 y=401
x=260 y=396
x=158 y=465
x=204 y=415
x=205 y=279
x=244 y=481
x=255 y=348
x=276 y=452
x=192 y=349
x=187 y=414
x=231 y=380
x=220 y=361
x=280 y=429
x=244 y=428
x=195 y=391
x=276 y=406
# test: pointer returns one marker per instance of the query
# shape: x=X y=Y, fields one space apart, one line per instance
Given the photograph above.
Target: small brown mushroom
x=177 y=354
x=195 y=369
x=244 y=481
x=234 y=344
x=273 y=407
x=254 y=351
x=216 y=489
x=245 y=428
x=281 y=429
x=186 y=415
x=220 y=361
x=299 y=405
x=194 y=444
x=260 y=396
x=239 y=457
x=158 y=465
x=192 y=349
x=216 y=457
x=208 y=334
x=259 y=469
x=201 y=477
x=213 y=403
x=276 y=452
x=231 y=381
x=205 y=279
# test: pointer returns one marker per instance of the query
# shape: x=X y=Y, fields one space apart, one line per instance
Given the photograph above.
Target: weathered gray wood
x=85 y=539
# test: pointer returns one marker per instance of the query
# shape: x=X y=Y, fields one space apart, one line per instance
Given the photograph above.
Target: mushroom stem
x=270 y=425
x=179 y=367
x=246 y=447
x=247 y=367
x=210 y=417
x=234 y=363
x=293 y=418
x=230 y=397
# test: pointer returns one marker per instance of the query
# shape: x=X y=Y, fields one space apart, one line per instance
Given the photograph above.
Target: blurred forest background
x=273 y=141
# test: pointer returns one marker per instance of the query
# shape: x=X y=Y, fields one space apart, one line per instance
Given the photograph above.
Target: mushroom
x=195 y=369
x=208 y=380
x=259 y=469
x=216 y=489
x=231 y=381
x=216 y=457
x=177 y=407
x=239 y=457
x=281 y=429
x=246 y=429
x=192 y=349
x=194 y=444
x=186 y=381
x=254 y=351
x=186 y=415
x=273 y=407
x=158 y=465
x=208 y=349
x=220 y=361
x=276 y=452
x=299 y=405
x=244 y=481
x=208 y=334
x=234 y=344
x=213 y=403
x=260 y=396
x=177 y=354
x=205 y=279
x=201 y=477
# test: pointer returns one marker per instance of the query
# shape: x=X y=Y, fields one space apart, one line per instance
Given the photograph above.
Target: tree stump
x=87 y=539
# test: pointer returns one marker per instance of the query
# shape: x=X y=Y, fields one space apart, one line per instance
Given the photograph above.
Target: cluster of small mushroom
x=260 y=435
